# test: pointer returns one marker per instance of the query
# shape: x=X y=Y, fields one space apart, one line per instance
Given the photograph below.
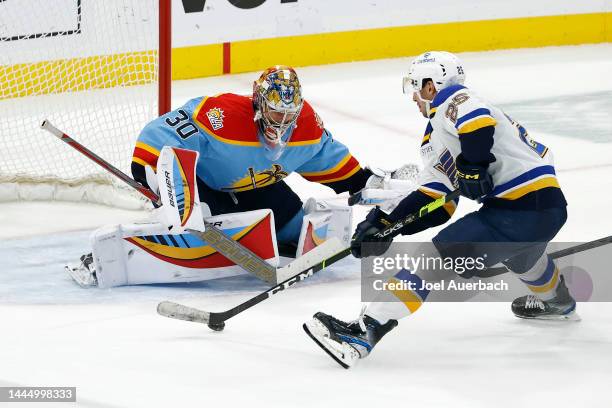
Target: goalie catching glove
x=387 y=188
x=397 y=179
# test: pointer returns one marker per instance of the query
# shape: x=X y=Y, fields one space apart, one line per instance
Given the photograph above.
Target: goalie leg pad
x=135 y=254
x=322 y=221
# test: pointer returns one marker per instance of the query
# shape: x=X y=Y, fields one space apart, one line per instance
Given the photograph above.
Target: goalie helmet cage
x=98 y=69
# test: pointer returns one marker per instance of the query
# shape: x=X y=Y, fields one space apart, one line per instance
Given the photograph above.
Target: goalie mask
x=277 y=99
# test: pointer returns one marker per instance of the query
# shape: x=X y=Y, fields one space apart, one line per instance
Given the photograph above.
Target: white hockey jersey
x=522 y=165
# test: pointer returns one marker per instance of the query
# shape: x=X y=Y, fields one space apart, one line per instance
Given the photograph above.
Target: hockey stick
x=46 y=125
x=394 y=229
x=500 y=270
x=495 y=271
x=310 y=264
x=231 y=249
x=216 y=320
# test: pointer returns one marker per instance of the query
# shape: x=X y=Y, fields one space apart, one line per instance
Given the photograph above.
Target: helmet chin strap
x=427 y=103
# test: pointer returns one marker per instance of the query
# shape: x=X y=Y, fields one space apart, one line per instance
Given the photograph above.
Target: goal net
x=92 y=68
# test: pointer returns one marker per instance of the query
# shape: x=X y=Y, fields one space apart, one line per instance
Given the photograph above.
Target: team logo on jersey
x=258 y=179
x=215 y=117
x=446 y=165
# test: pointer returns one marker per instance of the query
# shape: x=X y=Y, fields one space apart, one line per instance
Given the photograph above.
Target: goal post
x=99 y=69
x=165 y=56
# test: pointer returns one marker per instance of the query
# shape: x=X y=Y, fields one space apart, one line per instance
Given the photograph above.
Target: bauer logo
x=169 y=185
x=215 y=117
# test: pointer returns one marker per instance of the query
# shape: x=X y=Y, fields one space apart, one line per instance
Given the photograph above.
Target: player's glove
x=392 y=180
x=384 y=187
x=375 y=221
x=473 y=180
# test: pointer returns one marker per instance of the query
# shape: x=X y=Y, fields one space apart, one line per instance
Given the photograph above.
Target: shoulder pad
x=309 y=127
x=444 y=94
x=228 y=118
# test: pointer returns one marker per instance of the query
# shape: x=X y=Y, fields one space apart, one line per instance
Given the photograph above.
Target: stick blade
x=182 y=312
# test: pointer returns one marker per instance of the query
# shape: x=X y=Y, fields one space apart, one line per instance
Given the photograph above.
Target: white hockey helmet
x=443 y=68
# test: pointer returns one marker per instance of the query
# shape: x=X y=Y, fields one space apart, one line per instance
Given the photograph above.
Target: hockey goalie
x=222 y=160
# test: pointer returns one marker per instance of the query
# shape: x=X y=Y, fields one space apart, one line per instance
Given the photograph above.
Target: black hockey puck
x=217 y=326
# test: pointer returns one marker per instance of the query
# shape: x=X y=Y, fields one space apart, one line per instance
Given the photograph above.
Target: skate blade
x=82 y=278
x=342 y=353
x=570 y=317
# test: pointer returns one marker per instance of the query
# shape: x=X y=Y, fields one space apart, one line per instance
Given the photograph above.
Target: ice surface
x=587 y=117
x=119 y=353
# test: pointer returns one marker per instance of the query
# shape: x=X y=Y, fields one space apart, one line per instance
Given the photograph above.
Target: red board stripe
x=227 y=53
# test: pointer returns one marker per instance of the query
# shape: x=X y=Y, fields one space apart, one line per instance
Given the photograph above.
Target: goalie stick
x=231 y=249
x=216 y=320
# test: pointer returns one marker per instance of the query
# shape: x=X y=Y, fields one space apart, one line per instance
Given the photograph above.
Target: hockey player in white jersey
x=472 y=146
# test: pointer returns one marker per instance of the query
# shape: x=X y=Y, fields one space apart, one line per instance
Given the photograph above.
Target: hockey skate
x=561 y=307
x=346 y=342
x=84 y=273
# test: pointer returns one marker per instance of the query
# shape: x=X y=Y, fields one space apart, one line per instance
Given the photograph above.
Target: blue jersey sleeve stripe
x=444 y=94
x=437 y=186
x=473 y=114
x=529 y=175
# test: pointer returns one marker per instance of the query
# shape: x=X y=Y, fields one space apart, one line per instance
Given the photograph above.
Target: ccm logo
x=197 y=6
x=295 y=279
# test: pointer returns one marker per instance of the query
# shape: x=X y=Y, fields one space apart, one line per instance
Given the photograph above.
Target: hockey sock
x=542 y=278
x=407 y=298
